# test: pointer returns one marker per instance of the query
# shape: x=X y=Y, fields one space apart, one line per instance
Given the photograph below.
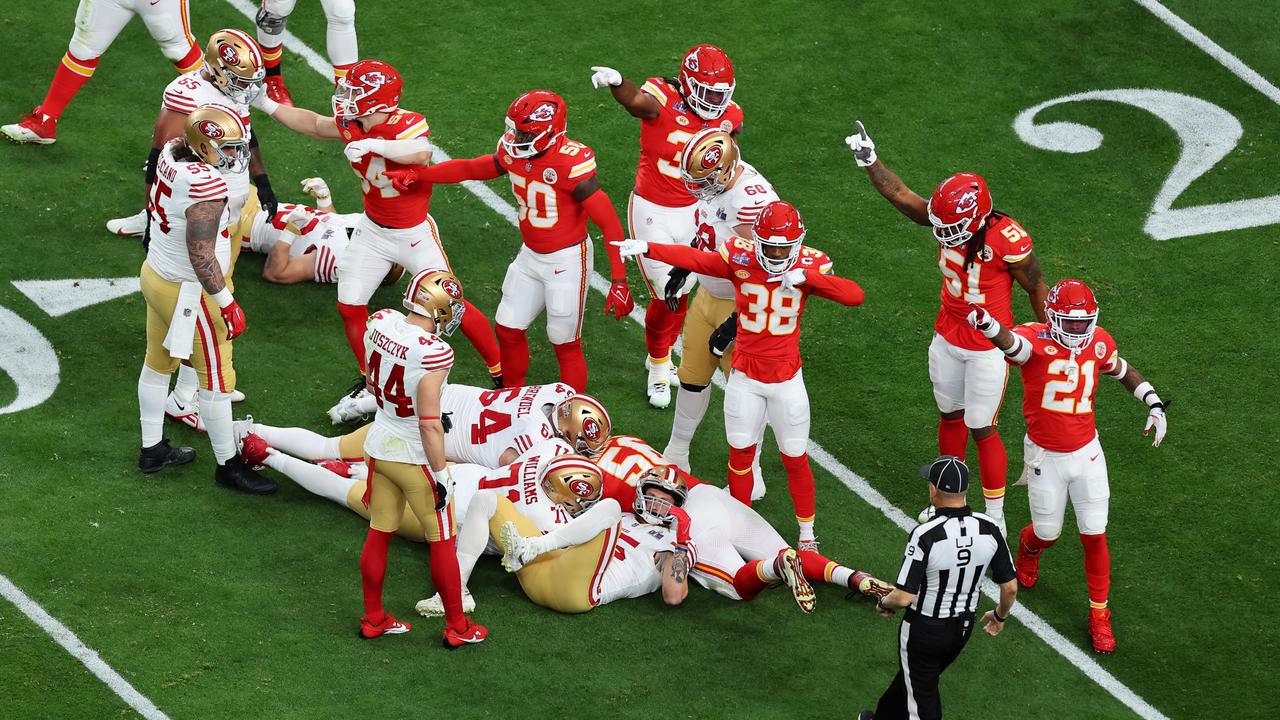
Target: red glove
x=234 y=317
x=682 y=525
x=402 y=179
x=619 y=302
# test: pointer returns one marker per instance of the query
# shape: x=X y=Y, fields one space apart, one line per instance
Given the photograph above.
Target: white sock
x=769 y=570
x=995 y=508
x=691 y=406
x=598 y=518
x=806 y=529
x=340 y=35
x=474 y=535
x=153 y=389
x=215 y=410
x=299 y=442
x=842 y=576
x=188 y=384
x=313 y=478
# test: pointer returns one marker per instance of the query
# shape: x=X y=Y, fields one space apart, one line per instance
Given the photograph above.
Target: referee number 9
x=963 y=556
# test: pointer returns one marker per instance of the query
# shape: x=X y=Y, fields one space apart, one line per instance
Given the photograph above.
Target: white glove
x=791 y=279
x=632 y=248
x=864 y=151
x=605 y=76
x=1156 y=419
x=265 y=104
x=299 y=216
x=979 y=319
x=316 y=187
x=359 y=148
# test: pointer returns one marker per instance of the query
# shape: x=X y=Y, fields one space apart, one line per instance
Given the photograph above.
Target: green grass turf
x=218 y=605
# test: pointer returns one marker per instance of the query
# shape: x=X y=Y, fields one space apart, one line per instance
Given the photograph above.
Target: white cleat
x=517 y=550
x=810 y=544
x=788 y=566
x=237 y=396
x=434 y=606
x=678 y=456
x=187 y=413
x=347 y=410
x=658 y=383
x=659 y=394
x=240 y=428
x=131 y=226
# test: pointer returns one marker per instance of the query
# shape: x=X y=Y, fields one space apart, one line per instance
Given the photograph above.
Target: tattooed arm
x=674 y=567
x=1027 y=272
x=202 y=239
x=896 y=192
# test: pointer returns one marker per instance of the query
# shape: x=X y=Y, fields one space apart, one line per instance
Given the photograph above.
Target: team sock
x=312 y=478
x=691 y=407
x=573 y=364
x=475 y=326
x=1032 y=542
x=1097 y=569
x=740 y=480
x=188 y=384
x=514 y=346
x=474 y=535
x=800 y=482
x=215 y=411
x=71 y=75
x=448 y=581
x=993 y=465
x=153 y=390
x=819 y=568
x=300 y=442
x=191 y=61
x=748 y=581
x=953 y=437
x=355 y=318
x=661 y=328
x=373 y=569
x=340 y=71
x=271 y=56
x=341 y=43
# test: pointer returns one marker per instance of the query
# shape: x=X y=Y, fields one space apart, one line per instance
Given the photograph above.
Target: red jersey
x=768 y=344
x=987 y=282
x=662 y=140
x=382 y=203
x=1057 y=394
x=550 y=217
x=623 y=460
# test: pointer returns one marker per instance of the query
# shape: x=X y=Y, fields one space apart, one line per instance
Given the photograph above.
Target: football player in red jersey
x=982 y=251
x=661 y=210
x=397 y=228
x=1061 y=362
x=554 y=181
x=773 y=275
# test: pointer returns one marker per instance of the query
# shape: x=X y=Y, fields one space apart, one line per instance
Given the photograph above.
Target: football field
x=1138 y=142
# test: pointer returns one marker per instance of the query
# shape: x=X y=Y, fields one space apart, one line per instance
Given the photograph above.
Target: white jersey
x=178 y=186
x=633 y=570
x=716 y=219
x=187 y=92
x=518 y=482
x=398 y=355
x=485 y=423
x=324 y=234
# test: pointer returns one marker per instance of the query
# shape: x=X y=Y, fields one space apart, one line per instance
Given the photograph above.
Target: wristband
x=267 y=105
x=223 y=298
x=1141 y=391
x=996 y=615
x=428 y=417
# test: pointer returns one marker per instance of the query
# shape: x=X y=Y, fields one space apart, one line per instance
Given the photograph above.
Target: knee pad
x=1046 y=531
x=340 y=13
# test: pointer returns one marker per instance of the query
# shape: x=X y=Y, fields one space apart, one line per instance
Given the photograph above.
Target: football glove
x=317 y=188
x=266 y=196
x=791 y=279
x=442 y=488
x=298 y=217
x=235 y=320
x=619 y=302
x=681 y=525
x=1156 y=420
x=631 y=248
x=675 y=283
x=446 y=420
x=864 y=151
x=724 y=335
x=603 y=76
x=979 y=319
x=359 y=148
x=403 y=179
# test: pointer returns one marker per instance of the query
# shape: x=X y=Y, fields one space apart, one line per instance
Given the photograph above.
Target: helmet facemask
x=707 y=101
x=770 y=254
x=522 y=144
x=660 y=488
x=1073 y=330
x=241 y=89
x=233 y=156
x=950 y=235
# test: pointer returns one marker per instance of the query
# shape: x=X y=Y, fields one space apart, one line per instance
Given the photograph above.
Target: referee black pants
x=925 y=648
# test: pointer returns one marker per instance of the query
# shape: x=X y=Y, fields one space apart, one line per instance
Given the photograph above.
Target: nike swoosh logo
x=1095 y=457
x=557 y=272
x=415 y=242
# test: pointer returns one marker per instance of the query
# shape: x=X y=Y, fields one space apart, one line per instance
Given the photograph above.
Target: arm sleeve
x=832 y=287
x=1001 y=563
x=707 y=263
x=484 y=167
x=601 y=212
x=915 y=561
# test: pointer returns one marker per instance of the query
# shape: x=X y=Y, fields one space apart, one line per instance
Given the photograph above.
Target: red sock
x=1032 y=542
x=817 y=567
x=71 y=75
x=747 y=580
x=445 y=576
x=953 y=436
x=191 y=61
x=993 y=466
x=475 y=325
x=740 y=478
x=676 y=323
x=514 y=345
x=340 y=71
x=573 y=364
x=271 y=59
x=800 y=482
x=1097 y=568
x=354 y=320
x=661 y=328
x=373 y=568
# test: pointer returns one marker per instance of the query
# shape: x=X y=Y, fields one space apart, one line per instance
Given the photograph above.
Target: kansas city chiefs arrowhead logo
x=211 y=129
x=374 y=79
x=691 y=62
x=581 y=488
x=711 y=157
x=968 y=202
x=452 y=288
x=543 y=113
x=228 y=54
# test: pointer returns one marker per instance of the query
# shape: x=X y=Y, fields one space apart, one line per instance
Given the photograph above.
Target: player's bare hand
x=631 y=248
x=882 y=611
x=403 y=179
x=864 y=150
x=602 y=76
x=316 y=187
x=1157 y=421
x=619 y=301
x=990 y=625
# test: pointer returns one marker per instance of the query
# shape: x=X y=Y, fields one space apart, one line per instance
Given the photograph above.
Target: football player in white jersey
x=340 y=37
x=301 y=243
x=183 y=280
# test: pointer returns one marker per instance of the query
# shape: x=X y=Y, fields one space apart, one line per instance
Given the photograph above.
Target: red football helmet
x=535 y=121
x=706 y=78
x=1072 y=312
x=779 y=234
x=958 y=208
x=370 y=86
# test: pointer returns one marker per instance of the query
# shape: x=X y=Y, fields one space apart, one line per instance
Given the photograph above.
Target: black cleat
x=161 y=455
x=497 y=381
x=235 y=474
x=357 y=387
x=866 y=715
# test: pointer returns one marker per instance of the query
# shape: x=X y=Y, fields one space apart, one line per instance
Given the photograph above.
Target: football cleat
x=472 y=634
x=276 y=89
x=130 y=226
x=254 y=451
x=187 y=413
x=658 y=382
x=517 y=550
x=867 y=715
x=35 y=127
x=237 y=396
x=787 y=564
x=161 y=455
x=870 y=586
x=387 y=626
x=347 y=410
x=810 y=545
x=757 y=483
x=434 y=606
x=235 y=474
x=1027 y=564
x=1104 y=641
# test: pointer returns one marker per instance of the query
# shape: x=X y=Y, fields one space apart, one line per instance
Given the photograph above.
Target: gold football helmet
x=234 y=63
x=657 y=510
x=709 y=161
x=583 y=422
x=436 y=294
x=216 y=134
x=572 y=482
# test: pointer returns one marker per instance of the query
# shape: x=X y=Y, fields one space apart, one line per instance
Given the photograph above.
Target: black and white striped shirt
x=946 y=558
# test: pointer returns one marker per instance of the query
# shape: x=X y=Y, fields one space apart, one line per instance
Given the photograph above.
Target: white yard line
x=849 y=478
x=80 y=651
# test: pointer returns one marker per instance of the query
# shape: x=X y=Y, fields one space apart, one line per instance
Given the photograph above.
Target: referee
x=938 y=585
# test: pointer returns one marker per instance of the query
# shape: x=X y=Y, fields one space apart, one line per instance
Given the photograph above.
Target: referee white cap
x=948 y=473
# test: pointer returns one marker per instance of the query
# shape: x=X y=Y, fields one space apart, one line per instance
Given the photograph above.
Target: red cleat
x=254 y=450
x=276 y=89
x=34 y=127
x=1104 y=641
x=472 y=634
x=388 y=626
x=1027 y=565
